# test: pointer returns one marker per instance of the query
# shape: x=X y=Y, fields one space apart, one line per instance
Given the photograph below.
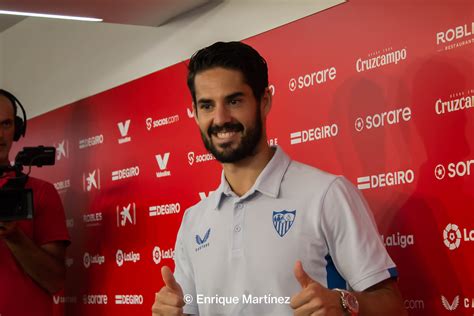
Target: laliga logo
x=87 y=260
x=149 y=122
x=157 y=255
x=452 y=236
x=119 y=258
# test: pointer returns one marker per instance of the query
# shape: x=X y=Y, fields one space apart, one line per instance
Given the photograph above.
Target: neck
x=242 y=175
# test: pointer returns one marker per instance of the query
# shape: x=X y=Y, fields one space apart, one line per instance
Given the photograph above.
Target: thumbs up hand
x=314 y=299
x=169 y=300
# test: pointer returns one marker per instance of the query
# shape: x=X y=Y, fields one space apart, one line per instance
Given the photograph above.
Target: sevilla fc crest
x=283 y=220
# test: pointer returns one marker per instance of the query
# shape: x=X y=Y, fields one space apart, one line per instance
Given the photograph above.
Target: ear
x=266 y=102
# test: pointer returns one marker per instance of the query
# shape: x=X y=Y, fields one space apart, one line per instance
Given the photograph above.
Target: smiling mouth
x=225 y=135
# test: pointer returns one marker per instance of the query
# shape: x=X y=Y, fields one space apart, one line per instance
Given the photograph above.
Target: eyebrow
x=6 y=121
x=227 y=98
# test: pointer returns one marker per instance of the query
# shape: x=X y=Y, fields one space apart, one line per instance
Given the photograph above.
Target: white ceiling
x=134 y=12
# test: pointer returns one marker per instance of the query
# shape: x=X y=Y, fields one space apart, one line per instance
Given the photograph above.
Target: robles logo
x=311 y=79
x=62 y=186
x=459 y=35
x=381 y=119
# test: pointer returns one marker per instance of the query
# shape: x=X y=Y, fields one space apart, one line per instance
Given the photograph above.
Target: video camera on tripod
x=16 y=201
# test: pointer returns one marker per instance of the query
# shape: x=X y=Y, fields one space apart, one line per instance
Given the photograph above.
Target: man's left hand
x=314 y=299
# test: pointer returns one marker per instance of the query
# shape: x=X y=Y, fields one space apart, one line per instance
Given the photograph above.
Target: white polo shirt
x=236 y=255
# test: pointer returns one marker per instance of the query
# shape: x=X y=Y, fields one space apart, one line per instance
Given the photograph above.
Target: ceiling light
x=51 y=16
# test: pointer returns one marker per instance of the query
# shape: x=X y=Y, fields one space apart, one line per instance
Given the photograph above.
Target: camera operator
x=32 y=252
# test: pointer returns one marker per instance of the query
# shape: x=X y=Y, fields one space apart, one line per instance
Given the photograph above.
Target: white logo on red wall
x=164 y=209
x=190 y=112
x=92 y=219
x=382 y=119
x=91 y=181
x=125 y=173
x=123 y=129
x=91 y=141
x=314 y=78
x=121 y=257
x=454 y=169
x=455 y=37
x=68 y=262
x=126 y=215
x=192 y=158
x=457 y=102
x=162 y=161
x=57 y=299
x=378 y=59
x=95 y=299
x=128 y=299
x=450 y=306
x=381 y=180
x=152 y=123
x=88 y=260
x=62 y=150
x=159 y=254
x=452 y=236
x=202 y=195
x=314 y=134
x=398 y=240
x=62 y=186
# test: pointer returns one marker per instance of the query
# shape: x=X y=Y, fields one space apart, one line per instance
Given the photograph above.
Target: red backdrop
x=379 y=91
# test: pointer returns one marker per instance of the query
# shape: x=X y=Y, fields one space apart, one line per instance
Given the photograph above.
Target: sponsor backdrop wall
x=379 y=92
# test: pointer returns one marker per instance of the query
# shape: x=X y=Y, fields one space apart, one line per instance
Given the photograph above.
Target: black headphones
x=20 y=123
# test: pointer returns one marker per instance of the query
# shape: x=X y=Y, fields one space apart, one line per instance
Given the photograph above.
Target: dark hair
x=231 y=55
x=10 y=98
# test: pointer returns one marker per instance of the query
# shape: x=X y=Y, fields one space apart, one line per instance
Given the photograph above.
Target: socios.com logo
x=452 y=236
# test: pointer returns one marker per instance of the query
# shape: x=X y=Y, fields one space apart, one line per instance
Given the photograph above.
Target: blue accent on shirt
x=393 y=272
x=334 y=278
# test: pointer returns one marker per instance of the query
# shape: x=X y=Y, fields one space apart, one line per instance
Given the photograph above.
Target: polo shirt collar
x=268 y=182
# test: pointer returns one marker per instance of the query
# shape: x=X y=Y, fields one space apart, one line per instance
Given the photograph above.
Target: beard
x=248 y=142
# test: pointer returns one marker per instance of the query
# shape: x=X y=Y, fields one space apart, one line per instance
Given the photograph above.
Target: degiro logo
x=311 y=79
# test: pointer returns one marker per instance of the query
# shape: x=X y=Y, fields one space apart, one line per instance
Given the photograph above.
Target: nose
x=221 y=115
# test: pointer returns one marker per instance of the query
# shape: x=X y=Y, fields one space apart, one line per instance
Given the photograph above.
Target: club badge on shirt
x=283 y=220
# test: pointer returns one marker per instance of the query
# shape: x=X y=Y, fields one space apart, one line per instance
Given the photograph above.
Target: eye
x=7 y=124
x=205 y=106
x=235 y=101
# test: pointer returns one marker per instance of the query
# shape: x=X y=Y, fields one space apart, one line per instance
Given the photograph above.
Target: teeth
x=225 y=134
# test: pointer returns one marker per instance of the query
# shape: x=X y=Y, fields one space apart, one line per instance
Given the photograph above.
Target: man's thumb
x=170 y=281
x=303 y=278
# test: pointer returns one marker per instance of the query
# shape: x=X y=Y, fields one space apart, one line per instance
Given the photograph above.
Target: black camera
x=16 y=202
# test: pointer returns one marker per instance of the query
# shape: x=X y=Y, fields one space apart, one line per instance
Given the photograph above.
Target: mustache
x=227 y=127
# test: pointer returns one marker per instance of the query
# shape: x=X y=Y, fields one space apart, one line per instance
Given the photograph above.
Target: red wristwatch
x=349 y=302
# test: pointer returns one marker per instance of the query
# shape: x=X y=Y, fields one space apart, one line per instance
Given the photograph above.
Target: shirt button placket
x=237 y=234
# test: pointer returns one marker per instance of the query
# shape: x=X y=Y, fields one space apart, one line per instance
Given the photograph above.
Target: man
x=32 y=252
x=274 y=228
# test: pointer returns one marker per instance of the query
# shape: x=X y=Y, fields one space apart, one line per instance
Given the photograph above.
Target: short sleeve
x=354 y=242
x=48 y=219
x=184 y=274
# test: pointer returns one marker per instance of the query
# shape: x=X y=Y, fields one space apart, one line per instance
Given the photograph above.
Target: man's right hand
x=169 y=300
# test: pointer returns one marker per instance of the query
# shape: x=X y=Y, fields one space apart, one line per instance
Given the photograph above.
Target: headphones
x=20 y=123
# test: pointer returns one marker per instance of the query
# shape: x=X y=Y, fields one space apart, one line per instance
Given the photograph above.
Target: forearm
x=384 y=300
x=46 y=270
